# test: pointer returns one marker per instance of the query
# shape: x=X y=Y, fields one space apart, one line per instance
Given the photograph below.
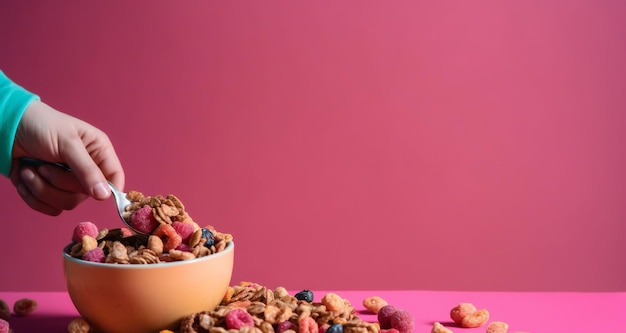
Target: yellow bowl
x=146 y=298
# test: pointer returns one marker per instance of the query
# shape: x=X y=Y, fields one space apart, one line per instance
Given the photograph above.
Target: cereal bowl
x=146 y=298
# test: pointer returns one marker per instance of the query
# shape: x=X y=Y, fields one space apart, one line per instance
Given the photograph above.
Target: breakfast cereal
x=475 y=319
x=497 y=327
x=24 y=306
x=438 y=328
x=374 y=303
x=174 y=237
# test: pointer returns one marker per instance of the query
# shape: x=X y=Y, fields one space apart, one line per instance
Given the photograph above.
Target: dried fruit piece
x=24 y=306
x=384 y=316
x=438 y=328
x=476 y=319
x=78 y=325
x=304 y=295
x=335 y=328
x=374 y=303
x=402 y=320
x=497 y=327
x=459 y=312
x=238 y=318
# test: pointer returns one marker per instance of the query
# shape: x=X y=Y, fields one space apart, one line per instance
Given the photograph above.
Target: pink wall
x=462 y=145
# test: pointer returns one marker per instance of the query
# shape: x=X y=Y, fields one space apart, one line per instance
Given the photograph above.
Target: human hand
x=47 y=134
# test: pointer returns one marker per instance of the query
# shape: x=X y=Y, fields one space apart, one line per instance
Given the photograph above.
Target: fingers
x=42 y=196
x=86 y=170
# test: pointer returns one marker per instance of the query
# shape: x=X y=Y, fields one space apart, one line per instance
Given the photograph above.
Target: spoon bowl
x=120 y=197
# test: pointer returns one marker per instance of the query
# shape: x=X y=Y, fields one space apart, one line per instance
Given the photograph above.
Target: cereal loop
x=374 y=303
x=24 y=306
x=307 y=325
x=171 y=239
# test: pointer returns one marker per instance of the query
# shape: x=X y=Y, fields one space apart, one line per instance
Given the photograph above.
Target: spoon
x=120 y=197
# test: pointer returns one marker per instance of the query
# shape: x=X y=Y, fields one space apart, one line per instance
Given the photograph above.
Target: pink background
x=466 y=145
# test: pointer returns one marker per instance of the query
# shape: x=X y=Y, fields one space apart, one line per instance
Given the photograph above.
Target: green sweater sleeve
x=13 y=102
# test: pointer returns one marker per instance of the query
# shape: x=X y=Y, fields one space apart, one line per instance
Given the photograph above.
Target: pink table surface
x=554 y=312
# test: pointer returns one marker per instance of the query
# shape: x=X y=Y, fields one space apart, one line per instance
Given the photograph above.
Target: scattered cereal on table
x=460 y=311
x=384 y=316
x=4 y=326
x=78 y=325
x=497 y=327
x=438 y=328
x=402 y=320
x=374 y=303
x=5 y=310
x=24 y=306
x=475 y=319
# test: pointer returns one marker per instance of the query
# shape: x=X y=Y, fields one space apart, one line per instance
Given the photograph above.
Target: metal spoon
x=120 y=197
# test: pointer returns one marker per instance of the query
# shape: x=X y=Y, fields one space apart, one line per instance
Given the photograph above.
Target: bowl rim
x=229 y=248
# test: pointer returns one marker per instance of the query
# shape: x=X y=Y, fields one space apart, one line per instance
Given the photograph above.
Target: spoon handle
x=27 y=161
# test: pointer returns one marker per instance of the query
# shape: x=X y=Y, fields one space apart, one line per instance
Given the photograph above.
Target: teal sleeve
x=13 y=102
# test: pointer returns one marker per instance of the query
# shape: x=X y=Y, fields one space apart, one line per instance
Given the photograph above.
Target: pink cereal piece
x=497 y=327
x=4 y=326
x=307 y=325
x=238 y=318
x=84 y=229
x=94 y=255
x=143 y=220
x=184 y=247
x=402 y=321
x=184 y=229
x=459 y=312
x=384 y=316
x=286 y=325
x=389 y=330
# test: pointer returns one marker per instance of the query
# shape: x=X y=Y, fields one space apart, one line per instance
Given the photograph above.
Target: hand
x=47 y=134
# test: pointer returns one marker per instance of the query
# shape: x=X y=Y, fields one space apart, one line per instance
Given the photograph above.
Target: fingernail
x=101 y=191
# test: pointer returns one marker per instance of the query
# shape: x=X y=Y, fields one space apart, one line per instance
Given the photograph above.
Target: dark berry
x=335 y=328
x=305 y=295
x=208 y=235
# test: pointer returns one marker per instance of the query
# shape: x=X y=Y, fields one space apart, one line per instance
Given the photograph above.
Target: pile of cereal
x=172 y=235
x=252 y=308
